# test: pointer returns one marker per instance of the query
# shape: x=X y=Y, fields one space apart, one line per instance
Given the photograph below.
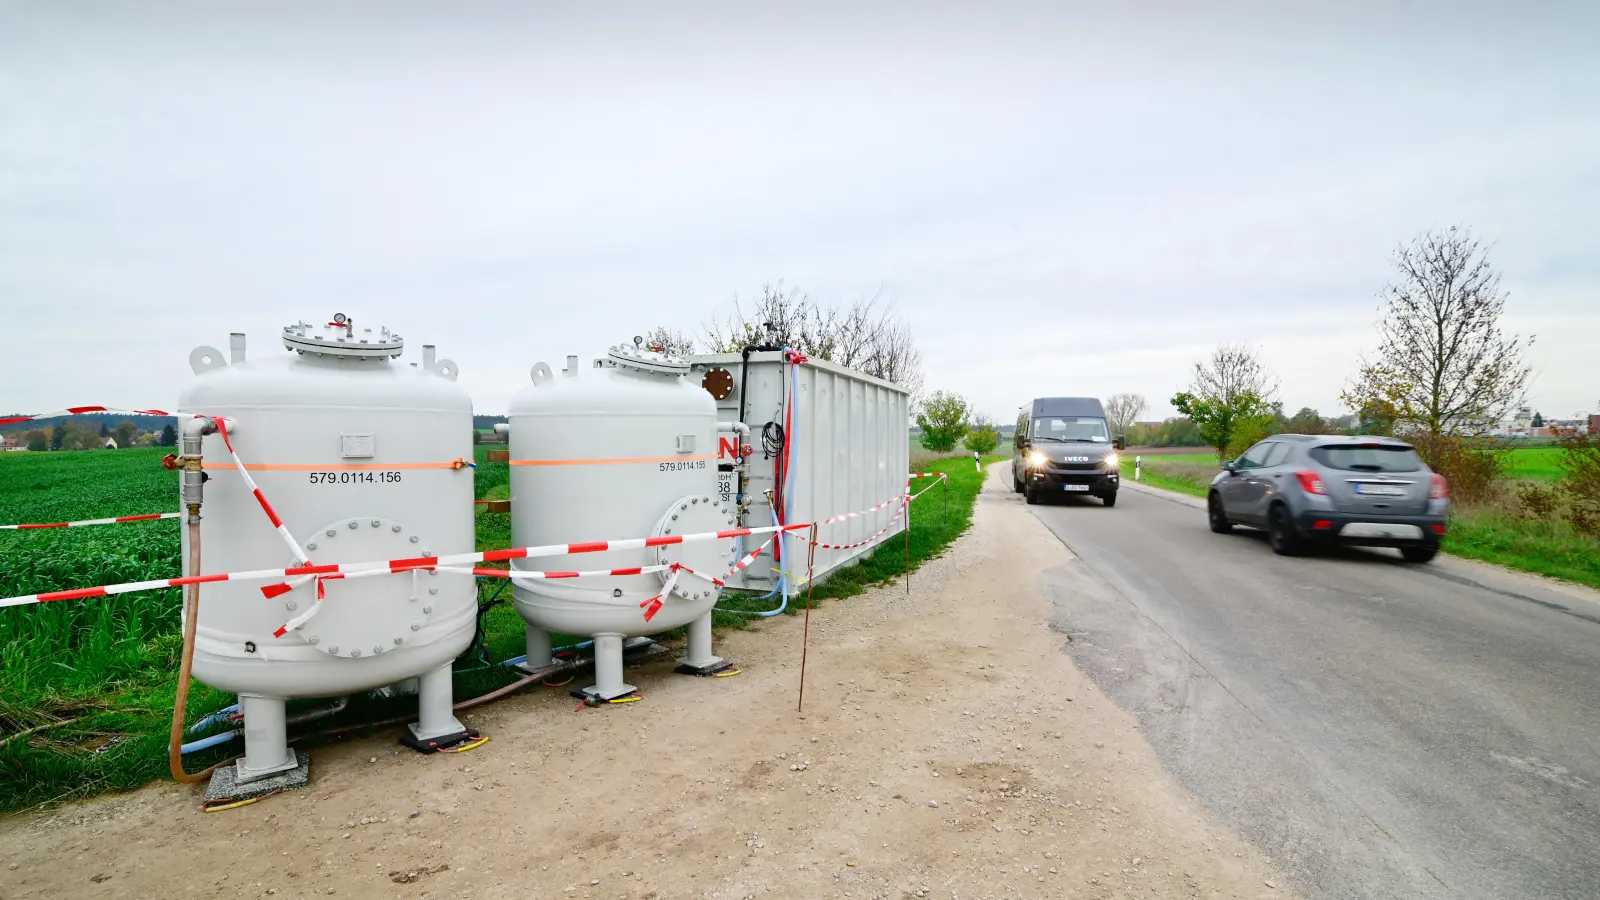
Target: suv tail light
x=1440 y=489
x=1311 y=483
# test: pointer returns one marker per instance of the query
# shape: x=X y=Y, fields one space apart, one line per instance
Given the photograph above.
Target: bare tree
x=1443 y=365
x=1231 y=399
x=669 y=340
x=867 y=335
x=785 y=317
x=1123 y=410
x=1233 y=371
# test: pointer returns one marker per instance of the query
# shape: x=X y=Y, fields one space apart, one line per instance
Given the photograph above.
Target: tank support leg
x=608 y=683
x=538 y=644
x=436 y=727
x=698 y=659
x=266 y=739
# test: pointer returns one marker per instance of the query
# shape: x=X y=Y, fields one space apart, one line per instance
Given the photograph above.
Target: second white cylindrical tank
x=623 y=448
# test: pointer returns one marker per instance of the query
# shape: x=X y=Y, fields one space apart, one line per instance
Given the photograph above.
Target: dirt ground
x=948 y=748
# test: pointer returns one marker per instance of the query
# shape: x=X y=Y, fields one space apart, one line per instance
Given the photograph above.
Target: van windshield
x=1070 y=428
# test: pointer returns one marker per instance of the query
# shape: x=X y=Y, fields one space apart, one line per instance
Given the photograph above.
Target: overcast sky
x=1063 y=198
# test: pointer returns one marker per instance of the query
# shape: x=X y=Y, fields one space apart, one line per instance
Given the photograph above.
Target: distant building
x=1594 y=425
x=111 y=443
x=8 y=441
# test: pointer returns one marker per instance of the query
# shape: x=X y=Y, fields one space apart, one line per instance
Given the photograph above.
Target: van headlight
x=1112 y=461
x=1037 y=459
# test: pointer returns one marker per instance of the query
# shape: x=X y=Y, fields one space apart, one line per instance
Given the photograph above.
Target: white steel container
x=363 y=459
x=621 y=449
x=849 y=446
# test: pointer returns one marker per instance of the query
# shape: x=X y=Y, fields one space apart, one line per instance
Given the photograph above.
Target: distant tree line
x=92 y=432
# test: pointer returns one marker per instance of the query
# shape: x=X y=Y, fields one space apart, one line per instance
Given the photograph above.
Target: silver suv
x=1373 y=491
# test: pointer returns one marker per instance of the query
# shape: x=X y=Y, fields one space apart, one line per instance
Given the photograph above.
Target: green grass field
x=99 y=674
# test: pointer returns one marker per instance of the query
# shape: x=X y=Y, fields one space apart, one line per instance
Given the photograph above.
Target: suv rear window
x=1368 y=457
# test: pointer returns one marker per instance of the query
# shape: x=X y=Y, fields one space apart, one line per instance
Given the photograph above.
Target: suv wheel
x=1217 y=515
x=1280 y=531
x=1419 y=554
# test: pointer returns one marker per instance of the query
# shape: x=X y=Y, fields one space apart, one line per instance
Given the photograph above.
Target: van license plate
x=1381 y=490
x=1076 y=487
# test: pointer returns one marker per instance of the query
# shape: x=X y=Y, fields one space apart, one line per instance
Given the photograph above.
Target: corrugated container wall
x=850 y=447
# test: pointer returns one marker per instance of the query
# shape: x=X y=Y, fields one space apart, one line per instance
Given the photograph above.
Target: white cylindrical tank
x=362 y=459
x=622 y=449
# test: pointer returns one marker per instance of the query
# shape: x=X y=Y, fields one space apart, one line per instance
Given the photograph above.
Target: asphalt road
x=1381 y=730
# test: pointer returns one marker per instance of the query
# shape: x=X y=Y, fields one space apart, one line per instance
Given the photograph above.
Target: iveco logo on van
x=1077 y=459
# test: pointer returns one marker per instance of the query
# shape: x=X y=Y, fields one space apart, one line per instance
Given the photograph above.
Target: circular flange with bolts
x=696 y=514
x=642 y=360
x=364 y=616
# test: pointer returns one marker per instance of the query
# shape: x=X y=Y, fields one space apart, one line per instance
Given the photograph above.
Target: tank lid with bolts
x=650 y=359
x=339 y=338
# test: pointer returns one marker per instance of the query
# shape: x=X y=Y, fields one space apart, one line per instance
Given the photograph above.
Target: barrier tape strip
x=80 y=410
x=288 y=539
x=119 y=519
x=856 y=515
x=751 y=556
x=395 y=566
x=905 y=501
x=898 y=513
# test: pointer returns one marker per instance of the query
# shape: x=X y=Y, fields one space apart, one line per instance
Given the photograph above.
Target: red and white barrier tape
x=927 y=475
x=119 y=519
x=905 y=501
x=751 y=556
x=81 y=410
x=907 y=498
x=856 y=515
x=288 y=539
x=396 y=565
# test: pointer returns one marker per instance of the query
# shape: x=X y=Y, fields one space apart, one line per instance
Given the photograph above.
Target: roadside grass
x=1542 y=547
x=100 y=674
x=1173 y=472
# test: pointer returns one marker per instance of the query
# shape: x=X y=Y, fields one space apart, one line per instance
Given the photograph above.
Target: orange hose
x=180 y=705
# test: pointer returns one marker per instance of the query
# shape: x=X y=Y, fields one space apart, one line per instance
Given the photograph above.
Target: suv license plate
x=1381 y=490
x=1076 y=487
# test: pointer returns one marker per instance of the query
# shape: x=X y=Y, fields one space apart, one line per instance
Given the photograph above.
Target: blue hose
x=212 y=741
x=207 y=721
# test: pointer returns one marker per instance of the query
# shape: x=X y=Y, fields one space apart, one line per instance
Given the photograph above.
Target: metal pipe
x=236 y=347
x=429 y=355
x=193 y=494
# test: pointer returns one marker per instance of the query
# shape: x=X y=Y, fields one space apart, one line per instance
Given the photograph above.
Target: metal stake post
x=805 y=633
x=908 y=544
